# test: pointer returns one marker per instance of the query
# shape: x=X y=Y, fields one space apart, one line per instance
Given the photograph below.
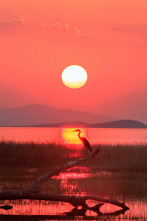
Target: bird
x=84 y=140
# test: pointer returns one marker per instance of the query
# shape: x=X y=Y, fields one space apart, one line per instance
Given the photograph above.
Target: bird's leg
x=85 y=150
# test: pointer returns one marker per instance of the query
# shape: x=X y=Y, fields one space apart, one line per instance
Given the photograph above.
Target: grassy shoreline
x=111 y=157
x=22 y=163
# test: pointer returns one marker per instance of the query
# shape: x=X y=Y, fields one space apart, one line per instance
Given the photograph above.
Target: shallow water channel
x=125 y=187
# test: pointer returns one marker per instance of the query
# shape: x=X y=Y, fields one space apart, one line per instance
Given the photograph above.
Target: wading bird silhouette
x=84 y=140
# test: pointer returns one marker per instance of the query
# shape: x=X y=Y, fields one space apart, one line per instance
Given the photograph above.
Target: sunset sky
x=108 y=38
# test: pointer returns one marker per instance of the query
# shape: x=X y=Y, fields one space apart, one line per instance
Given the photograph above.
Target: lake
x=66 y=135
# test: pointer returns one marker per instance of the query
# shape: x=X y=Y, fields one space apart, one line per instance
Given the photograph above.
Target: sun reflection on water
x=68 y=180
x=70 y=137
x=70 y=184
x=74 y=173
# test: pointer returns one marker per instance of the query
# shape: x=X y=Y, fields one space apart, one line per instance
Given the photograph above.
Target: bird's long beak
x=75 y=130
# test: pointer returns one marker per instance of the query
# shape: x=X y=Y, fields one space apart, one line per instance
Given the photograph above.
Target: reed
x=32 y=154
x=111 y=157
x=118 y=170
x=122 y=157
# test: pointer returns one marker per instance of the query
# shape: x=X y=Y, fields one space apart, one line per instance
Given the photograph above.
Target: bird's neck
x=79 y=134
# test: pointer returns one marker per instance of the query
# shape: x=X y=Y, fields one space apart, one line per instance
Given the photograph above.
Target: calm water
x=80 y=181
x=66 y=135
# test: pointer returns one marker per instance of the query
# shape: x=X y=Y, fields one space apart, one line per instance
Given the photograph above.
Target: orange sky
x=40 y=38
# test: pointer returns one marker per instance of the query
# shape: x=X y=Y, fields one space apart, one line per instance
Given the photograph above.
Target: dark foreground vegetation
x=32 y=154
x=111 y=157
x=117 y=171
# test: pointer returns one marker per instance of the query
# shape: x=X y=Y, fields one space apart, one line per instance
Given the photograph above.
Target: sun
x=74 y=76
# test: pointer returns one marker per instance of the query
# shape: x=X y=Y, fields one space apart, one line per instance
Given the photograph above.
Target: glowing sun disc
x=74 y=76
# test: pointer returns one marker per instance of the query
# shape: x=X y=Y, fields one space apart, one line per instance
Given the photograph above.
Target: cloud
x=124 y=30
x=67 y=27
x=139 y=29
x=73 y=28
x=15 y=25
x=11 y=26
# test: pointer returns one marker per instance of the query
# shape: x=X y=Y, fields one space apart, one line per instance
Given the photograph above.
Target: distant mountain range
x=120 y=124
x=110 y=124
x=36 y=115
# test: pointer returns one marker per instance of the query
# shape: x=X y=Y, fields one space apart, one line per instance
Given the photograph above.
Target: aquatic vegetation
x=118 y=172
x=111 y=157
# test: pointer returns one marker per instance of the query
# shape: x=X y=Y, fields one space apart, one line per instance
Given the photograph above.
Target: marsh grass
x=32 y=154
x=39 y=155
x=22 y=163
x=126 y=185
x=120 y=157
x=118 y=170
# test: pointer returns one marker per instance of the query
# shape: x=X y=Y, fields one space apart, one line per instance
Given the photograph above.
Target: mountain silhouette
x=120 y=124
x=37 y=114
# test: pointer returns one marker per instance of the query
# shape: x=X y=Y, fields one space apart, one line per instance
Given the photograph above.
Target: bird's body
x=84 y=140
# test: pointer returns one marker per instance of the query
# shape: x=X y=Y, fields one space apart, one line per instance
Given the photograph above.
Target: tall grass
x=32 y=154
x=21 y=163
x=110 y=157
x=121 y=158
